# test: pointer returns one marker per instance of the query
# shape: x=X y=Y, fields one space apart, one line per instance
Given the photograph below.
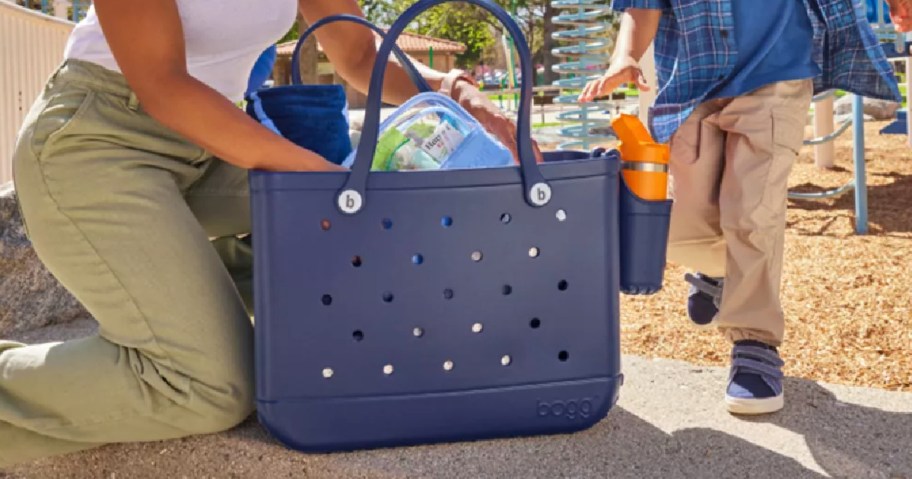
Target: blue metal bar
x=823 y=96
x=832 y=136
x=861 y=177
x=823 y=195
x=859 y=182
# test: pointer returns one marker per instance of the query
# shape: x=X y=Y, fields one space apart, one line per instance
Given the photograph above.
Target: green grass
x=902 y=91
x=546 y=124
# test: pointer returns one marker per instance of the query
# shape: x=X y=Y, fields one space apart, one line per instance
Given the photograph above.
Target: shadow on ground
x=668 y=424
x=847 y=440
x=889 y=207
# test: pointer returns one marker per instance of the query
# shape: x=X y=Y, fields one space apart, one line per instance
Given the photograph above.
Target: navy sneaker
x=704 y=298
x=755 y=381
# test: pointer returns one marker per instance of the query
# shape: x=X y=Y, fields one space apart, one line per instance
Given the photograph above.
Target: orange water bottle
x=644 y=163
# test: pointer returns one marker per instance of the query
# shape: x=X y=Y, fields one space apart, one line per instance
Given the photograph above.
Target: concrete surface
x=669 y=423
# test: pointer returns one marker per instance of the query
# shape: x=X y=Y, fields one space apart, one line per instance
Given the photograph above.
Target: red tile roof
x=408 y=42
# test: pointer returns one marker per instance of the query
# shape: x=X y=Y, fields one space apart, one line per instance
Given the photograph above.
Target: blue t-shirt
x=775 y=41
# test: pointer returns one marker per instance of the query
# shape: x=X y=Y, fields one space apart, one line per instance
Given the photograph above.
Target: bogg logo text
x=570 y=409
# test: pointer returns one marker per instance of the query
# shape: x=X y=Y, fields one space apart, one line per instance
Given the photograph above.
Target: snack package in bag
x=431 y=131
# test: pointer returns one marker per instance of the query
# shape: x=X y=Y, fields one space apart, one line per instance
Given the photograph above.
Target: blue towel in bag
x=314 y=117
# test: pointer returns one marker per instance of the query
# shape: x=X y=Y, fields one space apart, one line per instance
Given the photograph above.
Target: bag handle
x=407 y=64
x=537 y=192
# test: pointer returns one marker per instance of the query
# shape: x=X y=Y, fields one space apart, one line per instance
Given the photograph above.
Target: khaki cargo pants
x=121 y=210
x=730 y=163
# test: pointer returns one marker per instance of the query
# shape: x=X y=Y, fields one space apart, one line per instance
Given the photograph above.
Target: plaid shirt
x=695 y=51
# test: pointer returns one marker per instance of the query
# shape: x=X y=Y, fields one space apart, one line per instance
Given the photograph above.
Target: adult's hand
x=901 y=14
x=492 y=118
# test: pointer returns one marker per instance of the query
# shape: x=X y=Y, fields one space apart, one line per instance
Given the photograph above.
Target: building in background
x=437 y=53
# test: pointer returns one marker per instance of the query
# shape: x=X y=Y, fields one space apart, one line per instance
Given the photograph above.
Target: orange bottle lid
x=637 y=144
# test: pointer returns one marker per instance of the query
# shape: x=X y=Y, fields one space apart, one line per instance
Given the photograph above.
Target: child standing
x=736 y=78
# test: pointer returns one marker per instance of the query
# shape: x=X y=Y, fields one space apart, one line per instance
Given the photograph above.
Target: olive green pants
x=121 y=209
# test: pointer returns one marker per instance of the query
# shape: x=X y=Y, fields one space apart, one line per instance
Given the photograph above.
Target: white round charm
x=540 y=194
x=350 y=201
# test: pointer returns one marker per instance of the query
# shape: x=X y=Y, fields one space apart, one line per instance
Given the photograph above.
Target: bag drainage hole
x=356 y=261
x=387 y=297
x=328 y=373
x=477 y=327
x=534 y=252
x=325 y=225
x=388 y=369
x=477 y=256
x=326 y=299
x=535 y=323
x=448 y=293
x=506 y=218
x=387 y=223
x=563 y=355
x=562 y=285
x=358 y=335
x=448 y=365
x=561 y=215
x=418 y=332
x=506 y=290
x=506 y=360
x=446 y=221
x=417 y=259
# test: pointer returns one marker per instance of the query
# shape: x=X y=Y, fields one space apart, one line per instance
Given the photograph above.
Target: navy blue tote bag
x=397 y=308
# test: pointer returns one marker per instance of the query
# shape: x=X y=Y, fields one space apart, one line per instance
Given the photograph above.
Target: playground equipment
x=584 y=59
x=823 y=120
x=897 y=50
x=895 y=45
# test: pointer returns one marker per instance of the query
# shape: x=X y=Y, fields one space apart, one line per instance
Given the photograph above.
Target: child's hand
x=901 y=14
x=622 y=70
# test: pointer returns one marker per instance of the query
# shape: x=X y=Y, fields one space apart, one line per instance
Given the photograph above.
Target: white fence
x=31 y=47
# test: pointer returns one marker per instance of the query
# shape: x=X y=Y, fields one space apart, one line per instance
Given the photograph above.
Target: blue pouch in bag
x=432 y=131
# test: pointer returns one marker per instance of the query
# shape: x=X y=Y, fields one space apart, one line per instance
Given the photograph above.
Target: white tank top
x=223 y=39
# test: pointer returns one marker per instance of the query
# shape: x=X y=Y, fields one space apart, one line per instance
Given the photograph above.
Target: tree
x=472 y=26
x=478 y=30
x=310 y=59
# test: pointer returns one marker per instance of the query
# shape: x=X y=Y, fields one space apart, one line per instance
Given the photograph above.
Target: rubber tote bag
x=398 y=308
